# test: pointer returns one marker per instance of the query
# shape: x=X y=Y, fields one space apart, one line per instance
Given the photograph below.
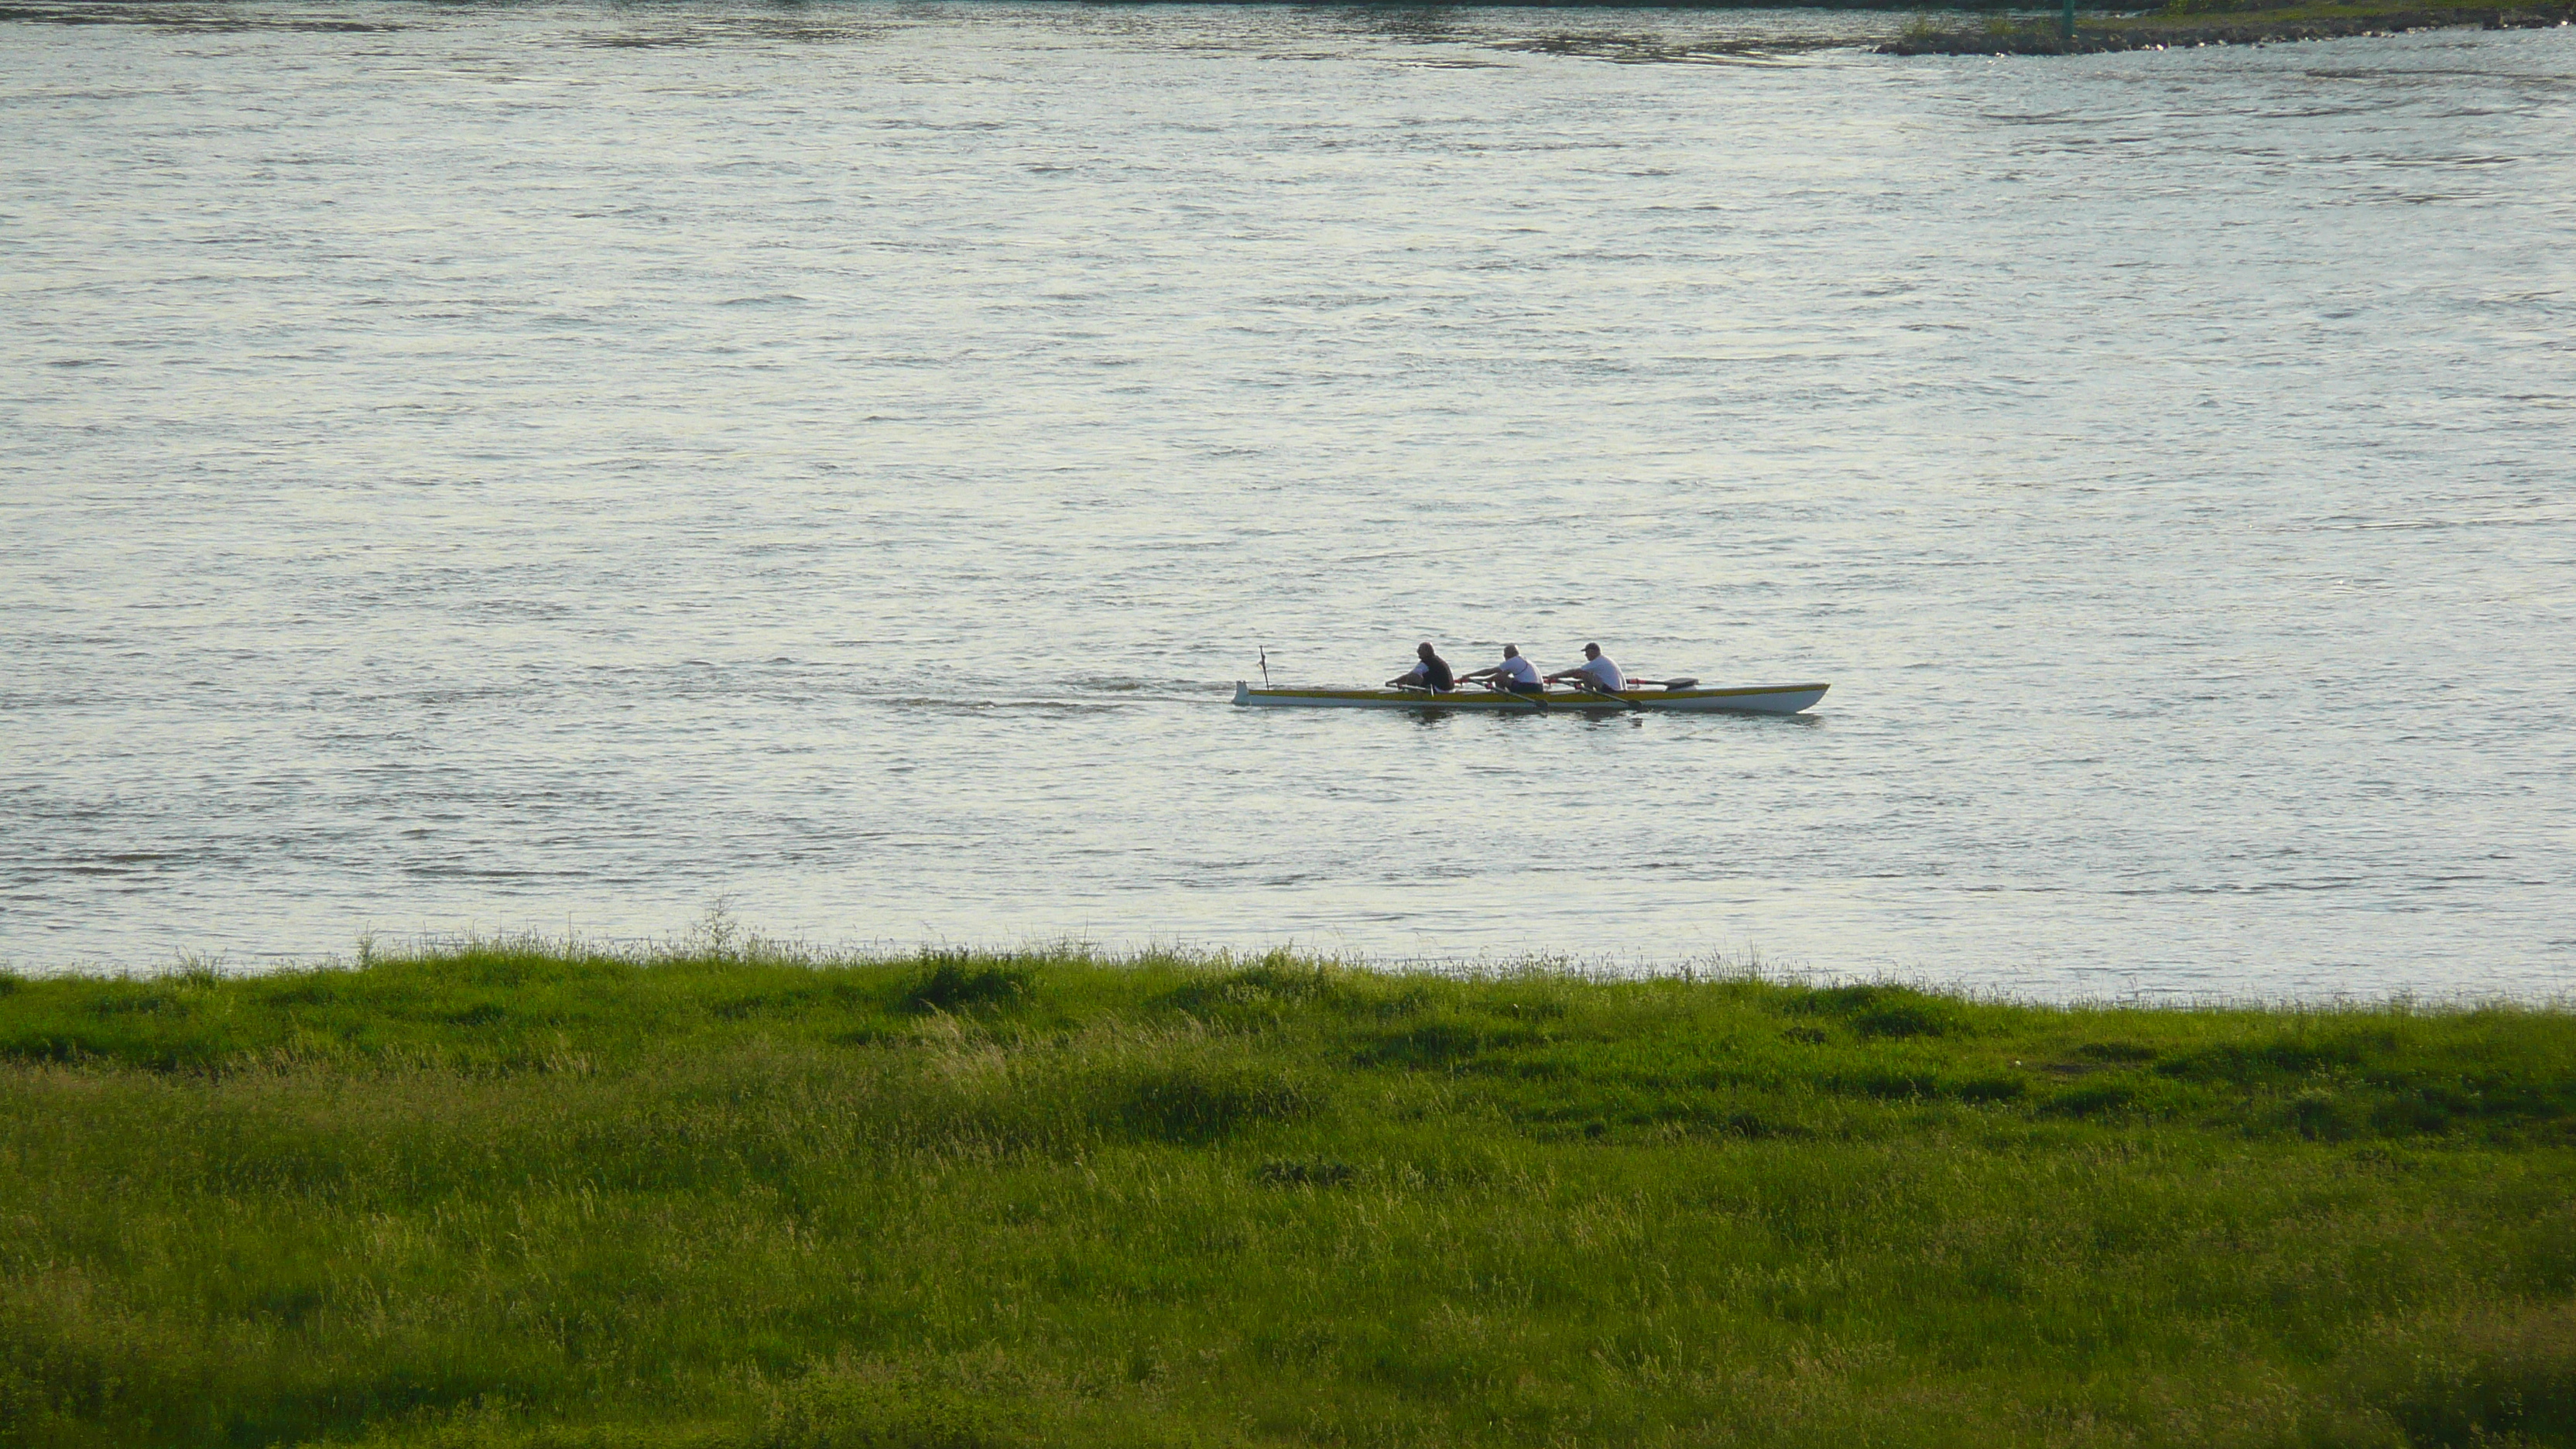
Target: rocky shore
x=2162 y=33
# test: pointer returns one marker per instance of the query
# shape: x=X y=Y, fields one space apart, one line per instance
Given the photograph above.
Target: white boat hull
x=1754 y=699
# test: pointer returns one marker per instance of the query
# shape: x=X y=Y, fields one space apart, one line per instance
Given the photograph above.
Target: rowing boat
x=1692 y=699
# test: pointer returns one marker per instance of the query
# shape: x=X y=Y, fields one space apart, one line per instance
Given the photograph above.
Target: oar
x=1614 y=699
x=1537 y=704
x=1433 y=696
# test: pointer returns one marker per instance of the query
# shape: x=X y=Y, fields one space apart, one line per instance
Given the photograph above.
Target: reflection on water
x=554 y=467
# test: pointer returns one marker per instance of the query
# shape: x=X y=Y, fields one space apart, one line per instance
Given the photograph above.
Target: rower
x=1515 y=674
x=1432 y=673
x=1596 y=672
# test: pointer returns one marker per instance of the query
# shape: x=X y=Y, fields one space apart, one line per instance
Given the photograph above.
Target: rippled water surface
x=556 y=467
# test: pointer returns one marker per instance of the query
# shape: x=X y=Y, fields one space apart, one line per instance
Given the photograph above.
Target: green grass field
x=531 y=1196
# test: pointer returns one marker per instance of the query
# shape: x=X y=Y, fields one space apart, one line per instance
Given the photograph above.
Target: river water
x=567 y=467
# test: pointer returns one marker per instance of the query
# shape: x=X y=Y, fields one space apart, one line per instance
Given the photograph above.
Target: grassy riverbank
x=533 y=1197
x=2185 y=23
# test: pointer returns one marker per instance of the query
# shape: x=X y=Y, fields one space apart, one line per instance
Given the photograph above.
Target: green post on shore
x=2066 y=20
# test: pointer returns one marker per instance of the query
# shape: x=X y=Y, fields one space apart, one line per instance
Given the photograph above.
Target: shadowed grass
x=529 y=1195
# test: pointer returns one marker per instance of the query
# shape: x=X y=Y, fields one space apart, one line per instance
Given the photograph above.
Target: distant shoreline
x=2174 y=29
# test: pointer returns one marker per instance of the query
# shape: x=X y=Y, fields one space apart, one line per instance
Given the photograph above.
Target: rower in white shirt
x=1595 y=672
x=1515 y=674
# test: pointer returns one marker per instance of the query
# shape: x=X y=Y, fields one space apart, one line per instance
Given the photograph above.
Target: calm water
x=557 y=467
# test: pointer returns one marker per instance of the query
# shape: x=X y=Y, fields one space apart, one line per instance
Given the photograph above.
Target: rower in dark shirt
x=1432 y=673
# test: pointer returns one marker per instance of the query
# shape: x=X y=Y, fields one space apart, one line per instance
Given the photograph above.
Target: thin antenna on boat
x=1265 y=663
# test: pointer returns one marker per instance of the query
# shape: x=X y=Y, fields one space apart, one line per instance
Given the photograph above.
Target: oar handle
x=1614 y=699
